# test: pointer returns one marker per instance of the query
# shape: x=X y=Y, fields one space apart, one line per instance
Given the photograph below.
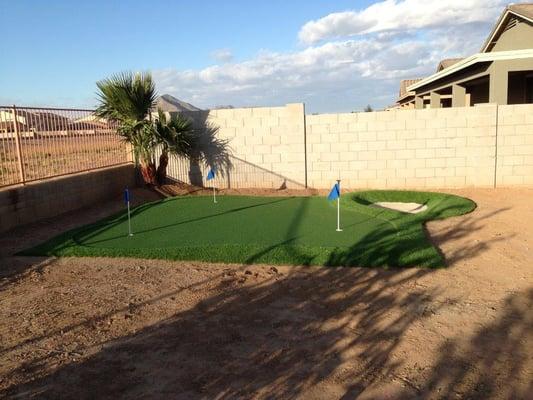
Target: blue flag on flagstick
x=211 y=174
x=126 y=196
x=335 y=192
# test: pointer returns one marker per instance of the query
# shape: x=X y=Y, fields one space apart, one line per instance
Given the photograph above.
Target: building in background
x=501 y=73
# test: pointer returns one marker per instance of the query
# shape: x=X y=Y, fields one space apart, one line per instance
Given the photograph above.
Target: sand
x=411 y=208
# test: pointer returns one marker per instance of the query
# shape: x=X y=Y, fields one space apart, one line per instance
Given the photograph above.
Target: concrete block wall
x=515 y=145
x=34 y=201
x=449 y=147
x=267 y=144
x=482 y=146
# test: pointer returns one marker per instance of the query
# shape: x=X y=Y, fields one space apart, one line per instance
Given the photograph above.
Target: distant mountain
x=169 y=103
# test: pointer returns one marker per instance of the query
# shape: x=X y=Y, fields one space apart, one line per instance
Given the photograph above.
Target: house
x=31 y=120
x=501 y=73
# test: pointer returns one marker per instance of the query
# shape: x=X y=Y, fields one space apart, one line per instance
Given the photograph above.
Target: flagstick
x=129 y=220
x=214 y=195
x=339 y=207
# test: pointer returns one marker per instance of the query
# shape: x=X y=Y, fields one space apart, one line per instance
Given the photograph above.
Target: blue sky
x=332 y=55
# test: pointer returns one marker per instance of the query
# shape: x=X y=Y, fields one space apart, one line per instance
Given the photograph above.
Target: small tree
x=127 y=99
x=368 y=108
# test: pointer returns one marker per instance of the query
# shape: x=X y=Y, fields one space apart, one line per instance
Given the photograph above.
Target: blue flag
x=126 y=196
x=211 y=174
x=335 y=192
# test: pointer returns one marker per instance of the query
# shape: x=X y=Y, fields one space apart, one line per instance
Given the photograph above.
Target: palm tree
x=127 y=99
x=175 y=135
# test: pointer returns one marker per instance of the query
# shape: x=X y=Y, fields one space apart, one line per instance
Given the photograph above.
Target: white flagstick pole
x=129 y=219
x=339 y=207
x=214 y=194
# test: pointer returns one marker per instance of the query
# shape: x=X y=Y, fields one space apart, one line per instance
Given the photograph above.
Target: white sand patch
x=411 y=208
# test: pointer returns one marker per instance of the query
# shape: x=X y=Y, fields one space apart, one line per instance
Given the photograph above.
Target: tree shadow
x=469 y=223
x=14 y=268
x=274 y=339
x=210 y=151
x=284 y=337
x=287 y=336
x=85 y=235
x=496 y=362
x=206 y=148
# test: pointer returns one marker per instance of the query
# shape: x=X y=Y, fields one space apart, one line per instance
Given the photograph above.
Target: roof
x=405 y=83
x=524 y=10
x=469 y=61
x=169 y=103
x=448 y=62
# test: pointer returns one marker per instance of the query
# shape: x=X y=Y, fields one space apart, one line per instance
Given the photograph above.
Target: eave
x=474 y=59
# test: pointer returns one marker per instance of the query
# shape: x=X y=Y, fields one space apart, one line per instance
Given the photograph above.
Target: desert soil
x=84 y=328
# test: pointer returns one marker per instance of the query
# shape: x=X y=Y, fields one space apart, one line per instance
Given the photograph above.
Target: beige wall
x=516 y=38
x=267 y=144
x=515 y=145
x=499 y=77
x=430 y=148
x=44 y=199
x=450 y=147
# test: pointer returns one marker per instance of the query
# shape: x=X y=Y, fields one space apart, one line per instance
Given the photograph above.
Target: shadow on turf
x=386 y=248
x=97 y=229
x=283 y=337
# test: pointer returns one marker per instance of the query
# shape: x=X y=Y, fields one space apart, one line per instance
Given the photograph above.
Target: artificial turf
x=274 y=230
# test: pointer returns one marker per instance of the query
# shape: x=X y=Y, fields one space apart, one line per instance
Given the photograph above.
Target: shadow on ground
x=489 y=363
x=320 y=333
x=276 y=338
x=291 y=337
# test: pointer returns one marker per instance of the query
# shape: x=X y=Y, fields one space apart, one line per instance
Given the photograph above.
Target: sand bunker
x=411 y=208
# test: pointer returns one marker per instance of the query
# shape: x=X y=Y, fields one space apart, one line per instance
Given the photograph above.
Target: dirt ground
x=84 y=328
x=55 y=155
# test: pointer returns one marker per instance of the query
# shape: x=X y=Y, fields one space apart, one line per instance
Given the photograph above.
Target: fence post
x=305 y=148
x=19 y=147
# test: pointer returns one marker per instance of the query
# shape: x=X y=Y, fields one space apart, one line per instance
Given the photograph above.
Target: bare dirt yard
x=95 y=328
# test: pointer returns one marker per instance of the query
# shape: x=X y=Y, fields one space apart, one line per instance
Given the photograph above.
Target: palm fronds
x=175 y=134
x=126 y=95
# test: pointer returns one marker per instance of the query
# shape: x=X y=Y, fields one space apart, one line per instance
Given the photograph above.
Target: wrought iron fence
x=38 y=143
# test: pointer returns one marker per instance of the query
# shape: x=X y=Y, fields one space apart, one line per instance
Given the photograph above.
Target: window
x=529 y=89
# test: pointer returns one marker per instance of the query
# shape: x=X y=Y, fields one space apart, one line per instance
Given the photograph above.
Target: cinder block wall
x=24 y=204
x=449 y=147
x=515 y=145
x=480 y=146
x=267 y=145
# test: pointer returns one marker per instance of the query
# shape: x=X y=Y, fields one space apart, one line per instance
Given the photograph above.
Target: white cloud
x=362 y=66
x=340 y=68
x=222 y=55
x=394 y=15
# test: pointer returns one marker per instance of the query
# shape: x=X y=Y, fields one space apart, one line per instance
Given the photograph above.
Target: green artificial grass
x=273 y=230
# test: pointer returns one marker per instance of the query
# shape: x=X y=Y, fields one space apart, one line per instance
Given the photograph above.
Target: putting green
x=275 y=230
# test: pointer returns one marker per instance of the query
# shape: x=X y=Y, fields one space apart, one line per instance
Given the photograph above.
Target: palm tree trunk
x=161 y=174
x=148 y=173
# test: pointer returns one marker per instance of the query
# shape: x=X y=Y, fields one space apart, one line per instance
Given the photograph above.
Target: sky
x=333 y=55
